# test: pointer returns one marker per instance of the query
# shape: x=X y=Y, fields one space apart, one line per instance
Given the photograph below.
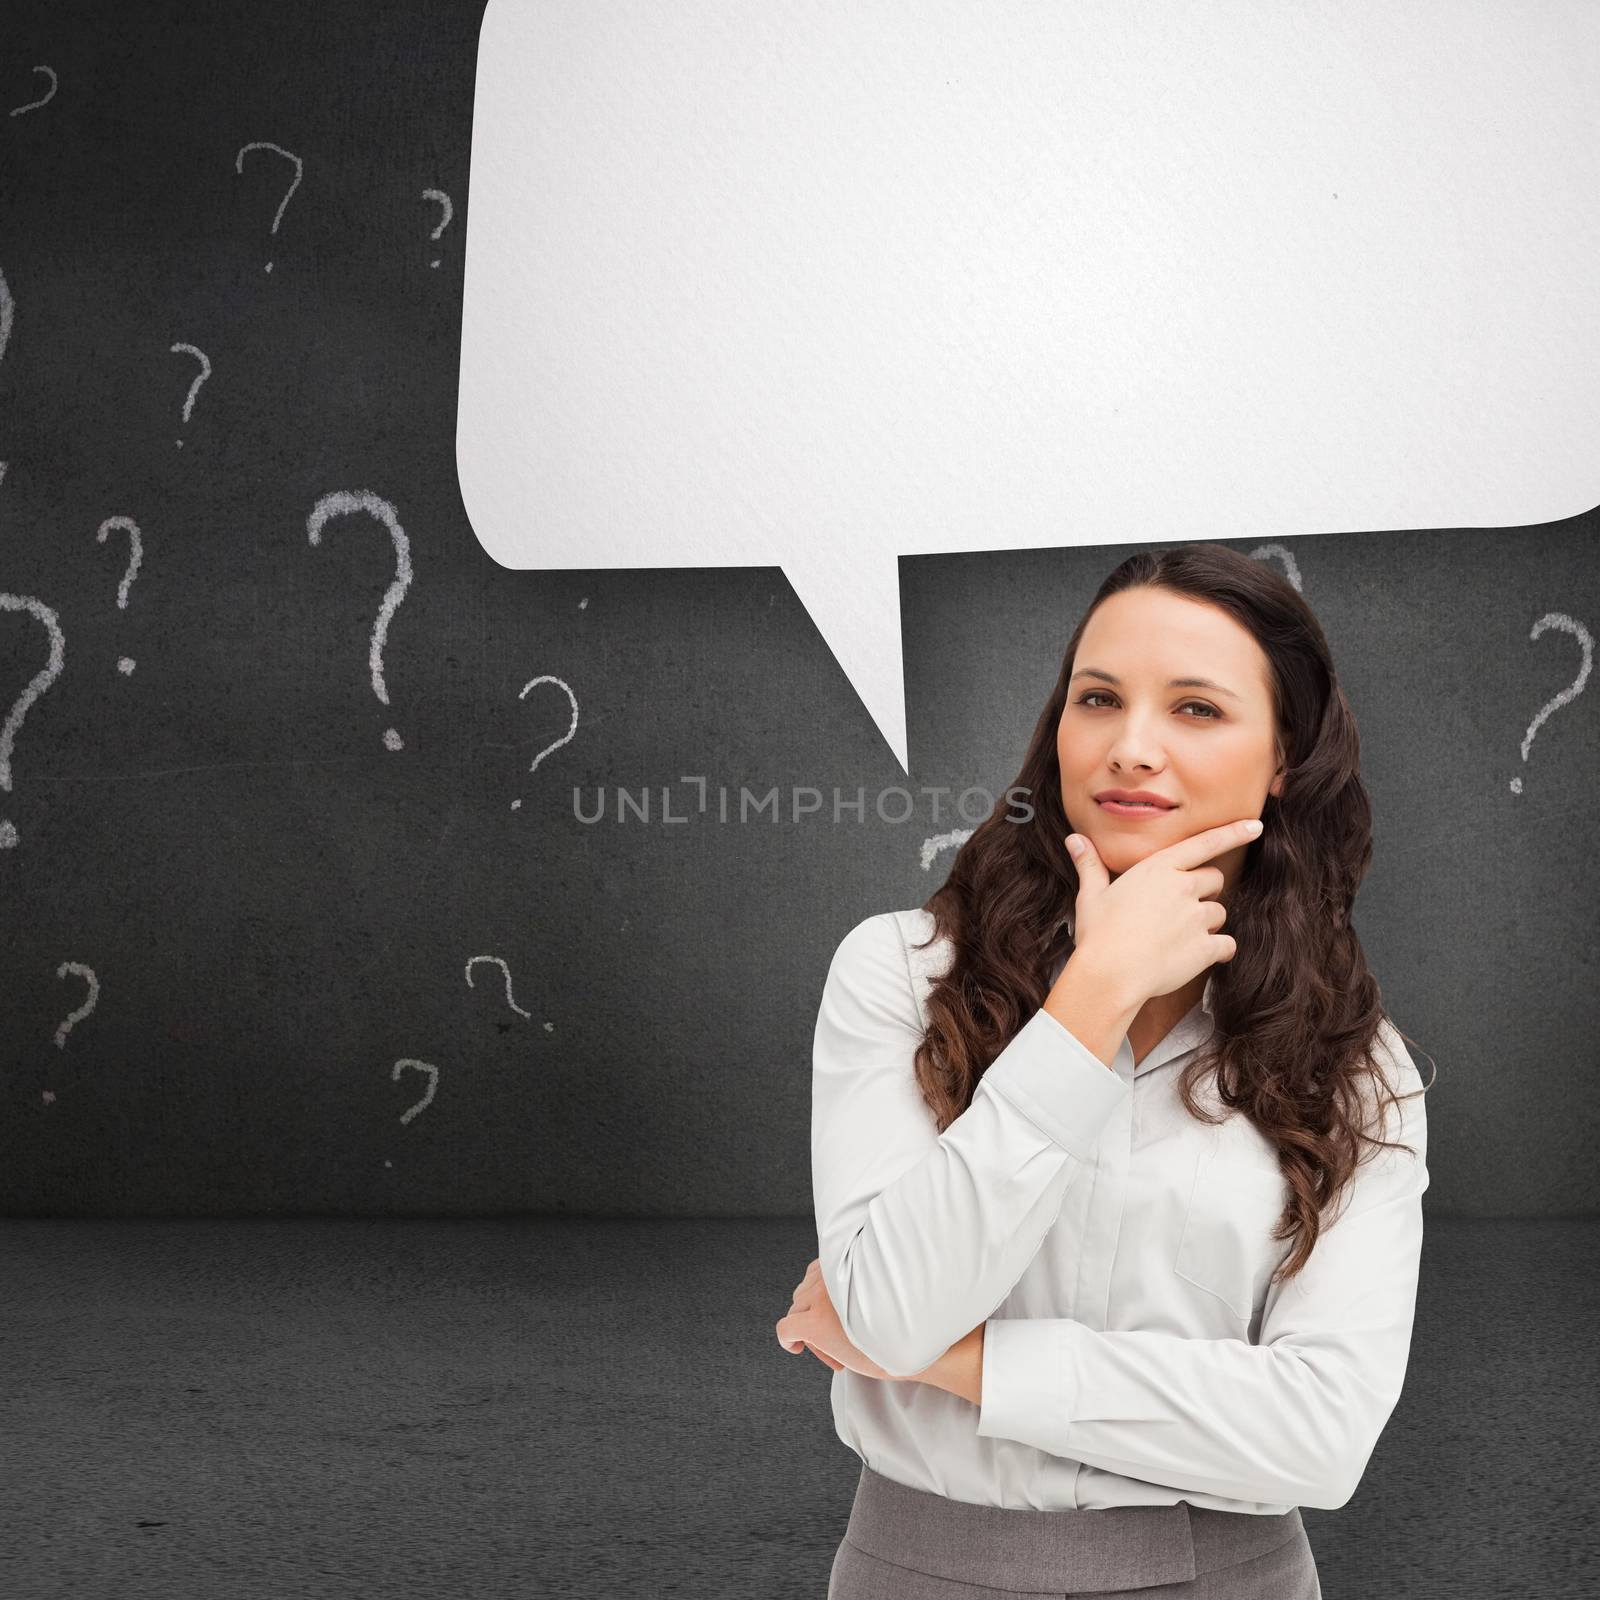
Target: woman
x=1119 y=1212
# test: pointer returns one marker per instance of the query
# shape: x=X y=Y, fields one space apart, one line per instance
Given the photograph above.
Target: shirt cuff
x=1058 y=1083
x=1029 y=1387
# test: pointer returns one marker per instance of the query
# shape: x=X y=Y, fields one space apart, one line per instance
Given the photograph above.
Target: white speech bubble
x=821 y=285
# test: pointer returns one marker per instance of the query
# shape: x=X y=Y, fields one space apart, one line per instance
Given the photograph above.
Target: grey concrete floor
x=597 y=1408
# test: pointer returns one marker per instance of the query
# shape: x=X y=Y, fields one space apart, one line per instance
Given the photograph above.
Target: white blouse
x=1118 y=1251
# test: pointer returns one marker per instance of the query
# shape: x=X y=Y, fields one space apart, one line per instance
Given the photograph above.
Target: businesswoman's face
x=1211 y=749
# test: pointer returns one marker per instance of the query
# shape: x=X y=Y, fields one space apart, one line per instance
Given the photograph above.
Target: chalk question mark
x=1285 y=556
x=1557 y=619
x=531 y=683
x=50 y=93
x=135 y=556
x=344 y=502
x=199 y=378
x=288 y=155
x=939 y=842
x=7 y=312
x=36 y=687
x=495 y=961
x=433 y=1083
x=77 y=969
x=444 y=221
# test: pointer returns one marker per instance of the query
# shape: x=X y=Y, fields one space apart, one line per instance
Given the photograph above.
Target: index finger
x=1210 y=843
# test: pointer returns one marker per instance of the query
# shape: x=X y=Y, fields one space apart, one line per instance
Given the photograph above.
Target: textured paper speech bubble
x=820 y=285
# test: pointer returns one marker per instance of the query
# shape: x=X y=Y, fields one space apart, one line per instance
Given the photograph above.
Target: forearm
x=959 y=1370
x=1093 y=1005
x=921 y=1234
x=1099 y=1015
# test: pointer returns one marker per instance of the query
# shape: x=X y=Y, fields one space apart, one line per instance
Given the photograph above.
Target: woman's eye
x=1212 y=714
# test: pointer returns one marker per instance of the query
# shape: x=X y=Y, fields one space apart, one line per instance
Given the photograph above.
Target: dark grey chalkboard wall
x=274 y=914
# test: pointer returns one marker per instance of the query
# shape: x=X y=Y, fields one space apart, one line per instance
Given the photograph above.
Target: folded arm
x=1291 y=1420
x=922 y=1235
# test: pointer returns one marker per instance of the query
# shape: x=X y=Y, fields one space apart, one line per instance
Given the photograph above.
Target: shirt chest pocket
x=1226 y=1245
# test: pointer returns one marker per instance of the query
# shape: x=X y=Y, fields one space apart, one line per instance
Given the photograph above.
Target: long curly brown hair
x=1296 y=1011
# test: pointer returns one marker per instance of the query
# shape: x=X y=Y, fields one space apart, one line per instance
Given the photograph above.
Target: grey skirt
x=906 y=1544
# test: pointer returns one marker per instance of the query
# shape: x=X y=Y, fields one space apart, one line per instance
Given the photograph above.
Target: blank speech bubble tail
x=856 y=607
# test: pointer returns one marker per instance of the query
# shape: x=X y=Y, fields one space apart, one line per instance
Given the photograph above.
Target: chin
x=1119 y=854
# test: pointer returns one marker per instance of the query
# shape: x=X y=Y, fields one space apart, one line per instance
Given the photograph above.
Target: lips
x=1129 y=812
x=1134 y=797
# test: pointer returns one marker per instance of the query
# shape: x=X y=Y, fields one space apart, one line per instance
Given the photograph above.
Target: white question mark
x=433 y=1083
x=200 y=377
x=288 y=155
x=444 y=221
x=343 y=502
x=33 y=105
x=7 y=312
x=135 y=556
x=497 y=962
x=1557 y=619
x=78 y=969
x=1285 y=555
x=549 y=677
x=36 y=687
x=931 y=847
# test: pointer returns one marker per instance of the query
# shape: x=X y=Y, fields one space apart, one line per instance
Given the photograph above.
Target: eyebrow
x=1172 y=683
